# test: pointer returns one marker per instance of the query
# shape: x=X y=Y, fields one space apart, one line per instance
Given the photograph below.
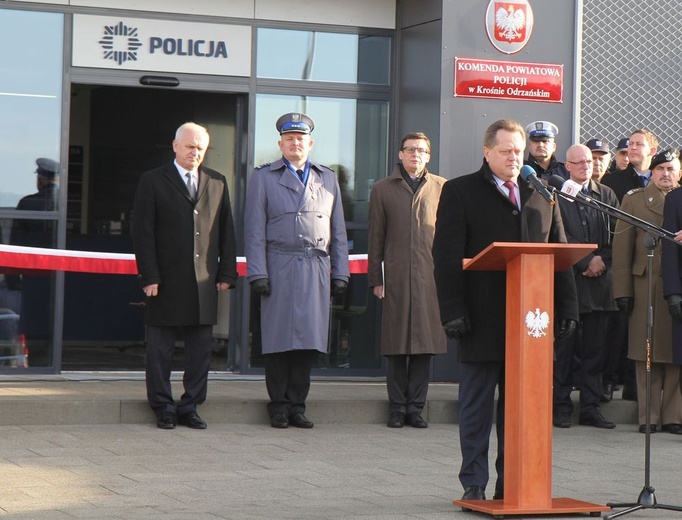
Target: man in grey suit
x=294 y=237
x=184 y=242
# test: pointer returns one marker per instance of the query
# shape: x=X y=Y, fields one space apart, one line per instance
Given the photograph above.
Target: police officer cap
x=295 y=122
x=598 y=145
x=47 y=167
x=541 y=131
x=623 y=144
x=664 y=157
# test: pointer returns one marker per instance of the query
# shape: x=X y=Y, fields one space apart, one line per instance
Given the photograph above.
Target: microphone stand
x=647 y=497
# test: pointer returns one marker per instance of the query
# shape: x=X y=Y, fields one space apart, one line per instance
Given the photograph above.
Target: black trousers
x=477 y=384
x=160 y=347
x=589 y=341
x=407 y=382
x=287 y=378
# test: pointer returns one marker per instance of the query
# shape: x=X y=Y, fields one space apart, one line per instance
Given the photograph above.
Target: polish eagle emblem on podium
x=536 y=323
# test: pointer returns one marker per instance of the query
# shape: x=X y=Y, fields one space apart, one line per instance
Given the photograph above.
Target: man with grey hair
x=184 y=242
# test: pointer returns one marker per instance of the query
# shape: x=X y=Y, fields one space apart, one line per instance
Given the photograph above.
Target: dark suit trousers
x=160 y=347
x=476 y=408
x=407 y=382
x=287 y=378
x=589 y=342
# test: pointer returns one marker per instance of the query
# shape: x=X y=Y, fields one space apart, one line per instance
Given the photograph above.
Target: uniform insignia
x=263 y=165
x=537 y=323
x=635 y=190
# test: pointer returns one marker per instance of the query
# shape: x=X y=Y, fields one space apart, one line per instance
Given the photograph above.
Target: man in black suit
x=642 y=146
x=489 y=205
x=184 y=242
x=593 y=279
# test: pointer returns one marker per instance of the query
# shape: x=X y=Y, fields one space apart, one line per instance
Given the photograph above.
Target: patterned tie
x=512 y=194
x=301 y=175
x=190 y=186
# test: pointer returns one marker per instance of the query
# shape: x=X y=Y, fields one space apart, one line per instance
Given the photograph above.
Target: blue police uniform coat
x=295 y=236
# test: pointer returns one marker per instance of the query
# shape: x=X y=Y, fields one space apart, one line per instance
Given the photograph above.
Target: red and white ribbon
x=37 y=258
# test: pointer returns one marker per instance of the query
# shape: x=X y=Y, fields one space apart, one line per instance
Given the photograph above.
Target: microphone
x=528 y=174
x=568 y=187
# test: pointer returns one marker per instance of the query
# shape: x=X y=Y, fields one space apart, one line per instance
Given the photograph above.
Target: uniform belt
x=308 y=252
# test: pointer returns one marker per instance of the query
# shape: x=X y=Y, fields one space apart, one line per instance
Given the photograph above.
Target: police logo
x=120 y=43
x=509 y=25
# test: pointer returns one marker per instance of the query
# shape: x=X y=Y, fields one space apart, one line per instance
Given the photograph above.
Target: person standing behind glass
x=402 y=219
x=184 y=243
x=294 y=237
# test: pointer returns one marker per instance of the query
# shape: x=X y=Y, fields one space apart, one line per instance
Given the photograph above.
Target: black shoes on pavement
x=298 y=420
x=168 y=421
x=398 y=420
x=597 y=420
x=473 y=493
x=415 y=420
x=562 y=420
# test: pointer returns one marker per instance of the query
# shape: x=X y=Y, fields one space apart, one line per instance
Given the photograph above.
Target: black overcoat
x=186 y=247
x=472 y=213
x=584 y=225
x=622 y=181
x=671 y=262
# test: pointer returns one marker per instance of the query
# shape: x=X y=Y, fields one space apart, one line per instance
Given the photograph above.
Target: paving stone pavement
x=334 y=471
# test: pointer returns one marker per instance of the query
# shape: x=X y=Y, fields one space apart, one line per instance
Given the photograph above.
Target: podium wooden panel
x=528 y=374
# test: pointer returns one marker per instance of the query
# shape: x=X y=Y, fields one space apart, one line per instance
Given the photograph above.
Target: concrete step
x=79 y=398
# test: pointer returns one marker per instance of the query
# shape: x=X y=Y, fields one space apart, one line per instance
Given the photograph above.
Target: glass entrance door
x=116 y=134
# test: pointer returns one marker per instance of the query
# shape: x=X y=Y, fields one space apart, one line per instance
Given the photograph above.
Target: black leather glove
x=457 y=328
x=625 y=304
x=261 y=286
x=339 y=286
x=567 y=327
x=675 y=307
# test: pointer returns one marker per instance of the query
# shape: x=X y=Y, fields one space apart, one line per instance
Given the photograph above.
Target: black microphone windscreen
x=556 y=181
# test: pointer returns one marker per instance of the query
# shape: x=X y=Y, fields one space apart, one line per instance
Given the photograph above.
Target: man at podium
x=490 y=205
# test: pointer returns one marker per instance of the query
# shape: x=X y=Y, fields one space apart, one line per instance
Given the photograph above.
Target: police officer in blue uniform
x=542 y=150
x=296 y=250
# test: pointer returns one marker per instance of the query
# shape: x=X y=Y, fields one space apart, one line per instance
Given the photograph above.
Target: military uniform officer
x=294 y=237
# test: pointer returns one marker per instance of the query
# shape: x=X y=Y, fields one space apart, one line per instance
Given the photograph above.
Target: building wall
x=359 y=13
x=463 y=120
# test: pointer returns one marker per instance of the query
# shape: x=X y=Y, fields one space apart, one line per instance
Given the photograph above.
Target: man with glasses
x=593 y=280
x=402 y=217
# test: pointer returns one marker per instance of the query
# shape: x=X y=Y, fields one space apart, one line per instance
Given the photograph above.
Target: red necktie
x=512 y=194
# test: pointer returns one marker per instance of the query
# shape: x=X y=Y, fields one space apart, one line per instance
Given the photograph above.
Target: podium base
x=559 y=506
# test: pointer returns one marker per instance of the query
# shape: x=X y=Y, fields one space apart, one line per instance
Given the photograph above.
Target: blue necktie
x=301 y=175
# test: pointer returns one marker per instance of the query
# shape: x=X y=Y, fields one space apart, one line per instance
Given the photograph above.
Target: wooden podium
x=528 y=373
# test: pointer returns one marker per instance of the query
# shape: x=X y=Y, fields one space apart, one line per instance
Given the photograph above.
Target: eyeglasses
x=581 y=163
x=412 y=149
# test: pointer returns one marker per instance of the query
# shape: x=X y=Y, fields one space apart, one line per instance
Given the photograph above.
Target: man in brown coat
x=402 y=219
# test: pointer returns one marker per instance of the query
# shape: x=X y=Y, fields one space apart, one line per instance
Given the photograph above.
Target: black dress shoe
x=396 y=420
x=416 y=421
x=300 y=421
x=597 y=420
x=279 y=420
x=166 y=420
x=192 y=420
x=673 y=428
x=606 y=393
x=652 y=428
x=562 y=420
x=473 y=493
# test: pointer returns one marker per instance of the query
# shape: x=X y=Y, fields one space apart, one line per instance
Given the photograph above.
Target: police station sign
x=509 y=80
x=161 y=46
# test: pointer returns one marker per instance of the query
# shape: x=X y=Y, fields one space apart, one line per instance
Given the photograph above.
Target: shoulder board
x=263 y=165
x=635 y=190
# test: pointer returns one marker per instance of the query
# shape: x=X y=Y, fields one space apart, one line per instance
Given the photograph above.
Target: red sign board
x=514 y=80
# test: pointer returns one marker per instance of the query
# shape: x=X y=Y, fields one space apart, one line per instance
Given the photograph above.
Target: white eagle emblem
x=510 y=22
x=537 y=323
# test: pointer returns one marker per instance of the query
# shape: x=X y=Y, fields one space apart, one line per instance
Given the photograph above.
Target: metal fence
x=631 y=70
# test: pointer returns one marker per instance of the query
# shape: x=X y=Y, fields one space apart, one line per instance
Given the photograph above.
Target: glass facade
x=30 y=98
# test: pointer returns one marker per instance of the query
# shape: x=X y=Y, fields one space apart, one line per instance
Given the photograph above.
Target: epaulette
x=263 y=165
x=634 y=190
